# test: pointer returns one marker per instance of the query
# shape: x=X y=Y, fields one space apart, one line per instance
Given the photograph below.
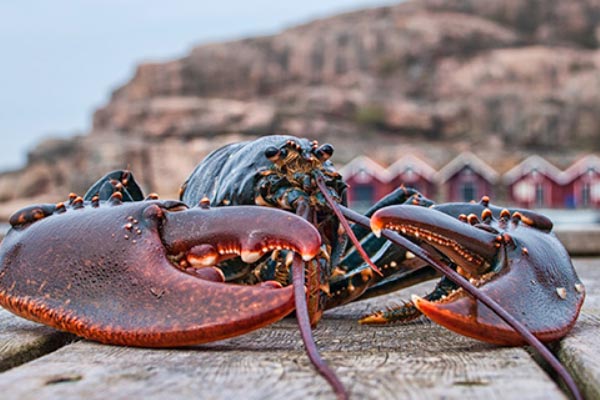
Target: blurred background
x=459 y=98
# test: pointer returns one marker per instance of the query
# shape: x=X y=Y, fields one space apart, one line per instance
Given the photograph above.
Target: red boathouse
x=581 y=182
x=413 y=172
x=367 y=182
x=535 y=183
x=466 y=178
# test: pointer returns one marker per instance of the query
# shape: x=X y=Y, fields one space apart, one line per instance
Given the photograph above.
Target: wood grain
x=22 y=340
x=580 y=241
x=580 y=350
x=434 y=364
x=415 y=361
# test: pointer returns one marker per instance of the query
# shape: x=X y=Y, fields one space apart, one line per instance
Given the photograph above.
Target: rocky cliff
x=501 y=77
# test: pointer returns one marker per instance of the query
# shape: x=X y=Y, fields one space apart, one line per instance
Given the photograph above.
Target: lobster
x=261 y=230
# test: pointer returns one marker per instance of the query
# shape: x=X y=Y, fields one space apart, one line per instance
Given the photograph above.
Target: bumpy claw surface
x=110 y=272
x=512 y=256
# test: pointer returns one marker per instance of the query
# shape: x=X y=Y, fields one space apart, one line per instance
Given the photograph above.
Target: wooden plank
x=22 y=340
x=419 y=360
x=580 y=241
x=581 y=349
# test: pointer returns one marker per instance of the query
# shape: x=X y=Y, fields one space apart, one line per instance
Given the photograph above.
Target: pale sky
x=60 y=59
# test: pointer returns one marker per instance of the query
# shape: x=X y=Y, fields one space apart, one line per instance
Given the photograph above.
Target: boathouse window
x=586 y=192
x=468 y=191
x=524 y=191
x=363 y=196
x=539 y=195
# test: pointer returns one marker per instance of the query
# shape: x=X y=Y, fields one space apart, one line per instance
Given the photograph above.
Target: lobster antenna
x=479 y=295
x=305 y=331
x=336 y=209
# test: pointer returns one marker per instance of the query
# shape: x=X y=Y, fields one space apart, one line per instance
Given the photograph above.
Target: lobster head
x=511 y=255
x=276 y=171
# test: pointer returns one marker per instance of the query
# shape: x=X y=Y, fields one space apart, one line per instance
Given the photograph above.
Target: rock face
x=521 y=74
x=526 y=71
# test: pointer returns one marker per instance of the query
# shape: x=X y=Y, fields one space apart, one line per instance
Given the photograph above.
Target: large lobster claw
x=109 y=272
x=511 y=255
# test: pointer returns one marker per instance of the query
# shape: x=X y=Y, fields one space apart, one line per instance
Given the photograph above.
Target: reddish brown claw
x=109 y=273
x=519 y=263
x=245 y=231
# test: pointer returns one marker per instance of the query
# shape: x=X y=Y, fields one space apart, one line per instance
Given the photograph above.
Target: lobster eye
x=324 y=152
x=272 y=153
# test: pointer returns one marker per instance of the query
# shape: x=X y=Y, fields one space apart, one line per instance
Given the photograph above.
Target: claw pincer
x=124 y=273
x=513 y=257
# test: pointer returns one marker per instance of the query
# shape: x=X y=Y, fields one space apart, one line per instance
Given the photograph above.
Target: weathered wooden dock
x=419 y=361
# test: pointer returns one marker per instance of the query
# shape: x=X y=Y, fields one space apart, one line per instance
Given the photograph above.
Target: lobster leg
x=116 y=181
x=360 y=282
x=112 y=273
x=408 y=311
x=401 y=195
x=398 y=267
